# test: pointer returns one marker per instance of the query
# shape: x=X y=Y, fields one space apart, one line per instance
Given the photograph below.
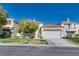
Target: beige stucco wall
x=37 y=32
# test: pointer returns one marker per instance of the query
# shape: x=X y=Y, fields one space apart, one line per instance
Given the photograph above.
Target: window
x=69 y=26
x=75 y=26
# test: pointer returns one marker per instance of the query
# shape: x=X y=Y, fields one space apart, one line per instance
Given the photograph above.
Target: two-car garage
x=51 y=34
x=52 y=31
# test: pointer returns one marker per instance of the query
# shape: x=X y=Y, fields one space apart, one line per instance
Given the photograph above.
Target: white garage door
x=51 y=34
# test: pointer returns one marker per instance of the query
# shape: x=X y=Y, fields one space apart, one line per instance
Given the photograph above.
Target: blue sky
x=51 y=13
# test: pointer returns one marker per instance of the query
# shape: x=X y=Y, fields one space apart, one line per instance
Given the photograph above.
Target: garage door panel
x=51 y=34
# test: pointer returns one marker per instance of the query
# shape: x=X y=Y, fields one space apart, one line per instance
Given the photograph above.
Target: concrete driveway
x=60 y=42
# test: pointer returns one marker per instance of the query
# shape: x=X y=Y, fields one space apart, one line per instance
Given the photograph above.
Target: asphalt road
x=38 y=51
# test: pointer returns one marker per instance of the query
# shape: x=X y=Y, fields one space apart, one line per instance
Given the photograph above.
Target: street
x=38 y=51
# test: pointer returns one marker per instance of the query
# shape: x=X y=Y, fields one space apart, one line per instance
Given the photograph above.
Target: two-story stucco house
x=63 y=29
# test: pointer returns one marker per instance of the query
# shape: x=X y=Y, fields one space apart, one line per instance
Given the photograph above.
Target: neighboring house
x=70 y=28
x=10 y=26
x=52 y=31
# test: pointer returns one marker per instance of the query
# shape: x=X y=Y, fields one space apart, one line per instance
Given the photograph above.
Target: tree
x=3 y=20
x=27 y=26
x=3 y=16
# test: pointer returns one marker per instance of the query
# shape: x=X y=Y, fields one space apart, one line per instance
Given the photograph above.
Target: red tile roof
x=52 y=26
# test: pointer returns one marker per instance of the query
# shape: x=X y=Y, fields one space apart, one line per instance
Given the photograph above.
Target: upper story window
x=9 y=22
x=74 y=27
x=65 y=27
x=69 y=26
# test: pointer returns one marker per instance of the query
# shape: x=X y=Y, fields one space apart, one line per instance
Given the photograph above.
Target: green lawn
x=23 y=41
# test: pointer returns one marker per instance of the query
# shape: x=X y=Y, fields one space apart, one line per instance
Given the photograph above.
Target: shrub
x=43 y=41
x=5 y=34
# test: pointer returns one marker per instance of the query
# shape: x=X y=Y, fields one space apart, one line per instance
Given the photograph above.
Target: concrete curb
x=47 y=45
x=23 y=45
